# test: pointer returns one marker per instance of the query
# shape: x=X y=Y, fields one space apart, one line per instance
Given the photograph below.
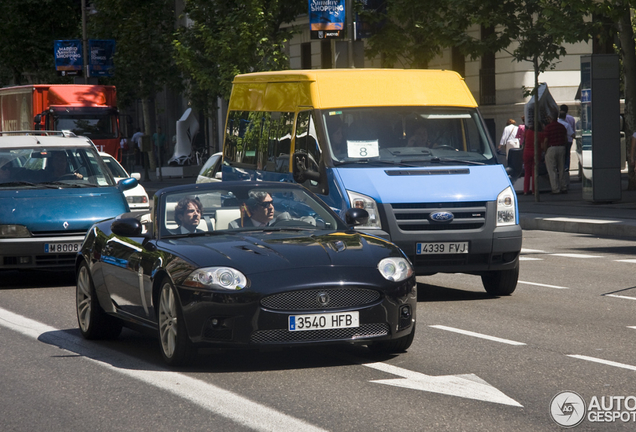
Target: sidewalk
x=565 y=213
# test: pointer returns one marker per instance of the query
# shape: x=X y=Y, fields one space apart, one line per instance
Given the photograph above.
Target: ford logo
x=441 y=216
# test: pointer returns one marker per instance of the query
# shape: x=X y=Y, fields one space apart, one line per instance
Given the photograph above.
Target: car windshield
x=115 y=168
x=243 y=208
x=52 y=167
x=93 y=126
x=410 y=136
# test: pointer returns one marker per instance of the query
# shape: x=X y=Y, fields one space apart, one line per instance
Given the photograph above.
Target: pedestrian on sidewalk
x=508 y=137
x=159 y=140
x=528 y=159
x=554 y=144
x=135 y=139
x=570 y=138
x=566 y=163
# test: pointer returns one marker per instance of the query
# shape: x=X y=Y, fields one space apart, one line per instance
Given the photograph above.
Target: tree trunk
x=628 y=53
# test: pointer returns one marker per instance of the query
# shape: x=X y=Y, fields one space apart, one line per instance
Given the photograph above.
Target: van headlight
x=395 y=269
x=506 y=207
x=362 y=201
x=216 y=277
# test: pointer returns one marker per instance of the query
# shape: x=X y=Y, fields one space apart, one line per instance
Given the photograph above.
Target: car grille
x=415 y=216
x=283 y=335
x=310 y=299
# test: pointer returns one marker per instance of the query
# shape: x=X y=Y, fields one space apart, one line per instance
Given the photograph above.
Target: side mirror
x=356 y=216
x=218 y=175
x=136 y=176
x=127 y=227
x=128 y=183
x=302 y=163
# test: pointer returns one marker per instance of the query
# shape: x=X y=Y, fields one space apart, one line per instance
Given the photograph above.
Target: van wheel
x=501 y=283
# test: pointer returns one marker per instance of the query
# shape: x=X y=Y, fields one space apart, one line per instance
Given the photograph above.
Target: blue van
x=408 y=146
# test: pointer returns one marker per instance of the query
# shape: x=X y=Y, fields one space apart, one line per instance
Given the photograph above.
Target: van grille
x=416 y=216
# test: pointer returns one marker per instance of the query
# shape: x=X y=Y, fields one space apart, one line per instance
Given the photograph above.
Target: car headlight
x=216 y=277
x=14 y=231
x=506 y=207
x=395 y=269
x=369 y=204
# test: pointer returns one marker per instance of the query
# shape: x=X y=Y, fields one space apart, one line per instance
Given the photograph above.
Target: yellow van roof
x=343 y=88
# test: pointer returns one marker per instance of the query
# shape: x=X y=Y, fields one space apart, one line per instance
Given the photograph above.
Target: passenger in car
x=187 y=214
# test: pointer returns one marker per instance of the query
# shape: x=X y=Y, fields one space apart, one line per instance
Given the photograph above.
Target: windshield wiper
x=458 y=161
x=18 y=183
x=379 y=161
x=57 y=183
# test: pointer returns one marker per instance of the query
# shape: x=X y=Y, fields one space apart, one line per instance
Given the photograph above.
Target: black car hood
x=255 y=252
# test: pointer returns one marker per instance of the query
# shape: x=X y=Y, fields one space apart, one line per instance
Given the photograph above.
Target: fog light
x=405 y=312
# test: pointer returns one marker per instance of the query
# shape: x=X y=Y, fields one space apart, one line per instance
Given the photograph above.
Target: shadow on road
x=21 y=279
x=436 y=293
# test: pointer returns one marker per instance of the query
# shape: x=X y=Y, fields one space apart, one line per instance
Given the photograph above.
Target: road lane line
x=630 y=261
x=619 y=296
x=528 y=251
x=592 y=221
x=478 y=335
x=524 y=258
x=632 y=327
x=208 y=396
x=606 y=362
x=542 y=285
x=569 y=255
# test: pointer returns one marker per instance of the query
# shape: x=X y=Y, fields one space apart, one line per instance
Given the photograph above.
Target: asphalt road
x=477 y=362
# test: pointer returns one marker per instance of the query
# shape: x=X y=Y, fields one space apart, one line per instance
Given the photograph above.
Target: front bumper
x=246 y=319
x=30 y=253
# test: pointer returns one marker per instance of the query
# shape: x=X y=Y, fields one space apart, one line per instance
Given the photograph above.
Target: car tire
x=175 y=344
x=502 y=282
x=93 y=322
x=398 y=345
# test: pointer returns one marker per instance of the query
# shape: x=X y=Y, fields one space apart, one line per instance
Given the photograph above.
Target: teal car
x=53 y=188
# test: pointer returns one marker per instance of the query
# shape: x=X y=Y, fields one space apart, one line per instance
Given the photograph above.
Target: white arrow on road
x=468 y=386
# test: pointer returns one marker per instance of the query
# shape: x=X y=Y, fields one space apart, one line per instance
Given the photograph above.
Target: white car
x=137 y=197
x=211 y=170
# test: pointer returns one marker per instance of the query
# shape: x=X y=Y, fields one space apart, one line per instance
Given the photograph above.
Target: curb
x=579 y=225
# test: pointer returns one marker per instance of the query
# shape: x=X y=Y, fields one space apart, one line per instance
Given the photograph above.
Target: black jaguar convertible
x=244 y=264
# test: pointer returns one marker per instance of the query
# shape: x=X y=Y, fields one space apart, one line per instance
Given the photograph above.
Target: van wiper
x=376 y=161
x=457 y=161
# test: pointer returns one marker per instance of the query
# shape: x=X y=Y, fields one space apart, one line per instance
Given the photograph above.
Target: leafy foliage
x=28 y=29
x=225 y=38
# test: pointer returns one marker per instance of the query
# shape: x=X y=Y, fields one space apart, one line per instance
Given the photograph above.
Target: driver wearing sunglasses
x=257 y=211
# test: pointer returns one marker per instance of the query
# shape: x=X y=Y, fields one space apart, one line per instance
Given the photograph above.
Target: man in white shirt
x=137 y=145
x=570 y=136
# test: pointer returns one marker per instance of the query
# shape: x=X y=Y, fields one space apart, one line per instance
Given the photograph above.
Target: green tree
x=28 y=30
x=144 y=55
x=225 y=38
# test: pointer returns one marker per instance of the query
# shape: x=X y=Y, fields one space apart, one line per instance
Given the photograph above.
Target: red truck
x=87 y=110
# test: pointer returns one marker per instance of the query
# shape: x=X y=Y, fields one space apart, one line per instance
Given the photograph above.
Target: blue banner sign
x=68 y=57
x=327 y=19
x=102 y=53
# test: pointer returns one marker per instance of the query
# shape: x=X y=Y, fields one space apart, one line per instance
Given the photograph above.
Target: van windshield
x=407 y=135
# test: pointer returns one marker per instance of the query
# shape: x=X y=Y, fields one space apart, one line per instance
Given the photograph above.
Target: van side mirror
x=302 y=165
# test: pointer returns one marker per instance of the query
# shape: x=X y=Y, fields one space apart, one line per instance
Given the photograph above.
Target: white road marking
x=478 y=335
x=468 y=386
x=631 y=327
x=208 y=396
x=527 y=251
x=606 y=362
x=620 y=296
x=631 y=261
x=575 y=255
x=592 y=221
x=542 y=285
x=523 y=258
